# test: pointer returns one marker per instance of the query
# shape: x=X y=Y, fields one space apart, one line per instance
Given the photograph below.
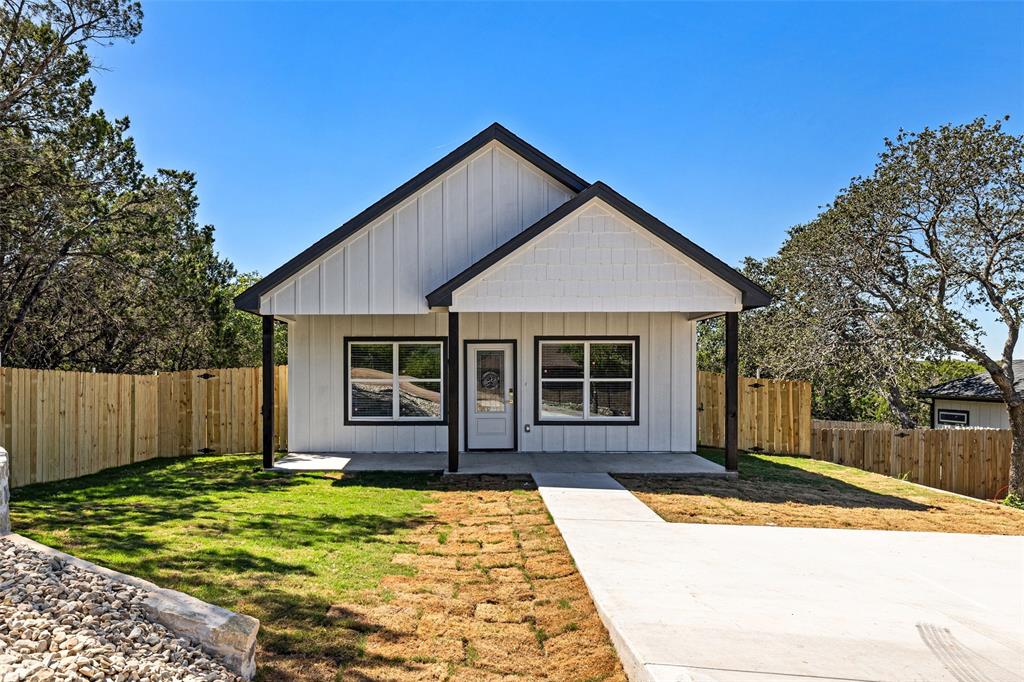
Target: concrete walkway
x=475 y=463
x=703 y=603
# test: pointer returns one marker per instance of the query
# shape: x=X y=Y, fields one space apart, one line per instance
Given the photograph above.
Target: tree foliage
x=239 y=341
x=936 y=234
x=889 y=280
x=102 y=265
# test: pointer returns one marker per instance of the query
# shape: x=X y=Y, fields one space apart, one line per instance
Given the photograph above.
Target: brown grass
x=493 y=595
x=793 y=491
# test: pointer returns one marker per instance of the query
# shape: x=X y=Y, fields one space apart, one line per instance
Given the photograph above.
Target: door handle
x=511 y=396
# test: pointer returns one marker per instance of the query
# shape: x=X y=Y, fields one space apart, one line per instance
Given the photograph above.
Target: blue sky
x=731 y=122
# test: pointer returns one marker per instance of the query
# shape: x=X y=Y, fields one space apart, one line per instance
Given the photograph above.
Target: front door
x=490 y=399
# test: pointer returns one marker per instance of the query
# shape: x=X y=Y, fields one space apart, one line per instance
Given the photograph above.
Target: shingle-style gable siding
x=439 y=231
x=596 y=259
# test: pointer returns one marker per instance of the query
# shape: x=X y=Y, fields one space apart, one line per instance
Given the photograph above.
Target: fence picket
x=970 y=461
x=59 y=425
x=774 y=414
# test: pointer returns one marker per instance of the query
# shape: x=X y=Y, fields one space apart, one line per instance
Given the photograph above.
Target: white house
x=497 y=301
x=971 y=401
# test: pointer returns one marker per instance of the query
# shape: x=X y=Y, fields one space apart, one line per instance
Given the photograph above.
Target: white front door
x=490 y=396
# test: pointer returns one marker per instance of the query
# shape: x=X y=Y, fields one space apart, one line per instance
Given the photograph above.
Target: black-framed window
x=587 y=379
x=953 y=417
x=395 y=380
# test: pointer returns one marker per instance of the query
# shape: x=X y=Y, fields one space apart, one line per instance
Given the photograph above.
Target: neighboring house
x=497 y=301
x=971 y=401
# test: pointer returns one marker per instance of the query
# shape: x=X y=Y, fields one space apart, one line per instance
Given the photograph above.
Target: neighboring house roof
x=976 y=387
x=250 y=298
x=753 y=295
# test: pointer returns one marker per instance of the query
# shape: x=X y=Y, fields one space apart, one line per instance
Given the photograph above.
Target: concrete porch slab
x=476 y=463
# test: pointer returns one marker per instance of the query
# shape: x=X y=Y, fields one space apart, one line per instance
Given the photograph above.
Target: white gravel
x=61 y=622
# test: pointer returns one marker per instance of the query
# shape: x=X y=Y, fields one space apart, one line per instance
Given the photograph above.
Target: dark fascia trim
x=465 y=392
x=753 y=295
x=249 y=300
x=635 y=421
x=348 y=340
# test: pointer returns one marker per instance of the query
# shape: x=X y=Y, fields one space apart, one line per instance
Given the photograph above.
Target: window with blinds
x=395 y=381
x=583 y=380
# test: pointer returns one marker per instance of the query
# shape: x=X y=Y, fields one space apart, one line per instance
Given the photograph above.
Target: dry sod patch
x=794 y=491
x=493 y=595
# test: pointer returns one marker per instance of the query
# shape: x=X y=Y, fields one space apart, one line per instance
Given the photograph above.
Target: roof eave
x=960 y=397
x=248 y=301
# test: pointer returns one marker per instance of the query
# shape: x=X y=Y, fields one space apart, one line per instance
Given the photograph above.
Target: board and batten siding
x=984 y=415
x=437 y=233
x=667 y=394
x=597 y=259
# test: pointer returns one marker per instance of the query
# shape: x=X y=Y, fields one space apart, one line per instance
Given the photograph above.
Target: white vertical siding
x=298 y=385
x=983 y=415
x=407 y=261
x=431 y=231
x=481 y=209
x=357 y=271
x=390 y=266
x=666 y=391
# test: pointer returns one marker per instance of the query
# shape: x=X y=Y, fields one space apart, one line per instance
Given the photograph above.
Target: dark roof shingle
x=976 y=387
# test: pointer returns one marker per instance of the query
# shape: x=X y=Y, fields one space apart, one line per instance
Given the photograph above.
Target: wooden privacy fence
x=973 y=462
x=58 y=425
x=774 y=414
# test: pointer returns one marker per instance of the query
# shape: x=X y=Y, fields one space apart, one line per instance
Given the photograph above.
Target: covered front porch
x=504 y=463
x=660 y=438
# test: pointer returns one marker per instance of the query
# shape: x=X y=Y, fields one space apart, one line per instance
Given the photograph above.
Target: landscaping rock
x=59 y=621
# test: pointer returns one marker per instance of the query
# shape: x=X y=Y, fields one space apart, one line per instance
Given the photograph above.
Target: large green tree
x=102 y=265
x=902 y=266
x=935 y=235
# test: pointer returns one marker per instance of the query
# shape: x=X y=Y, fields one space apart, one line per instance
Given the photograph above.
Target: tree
x=820 y=329
x=43 y=58
x=240 y=338
x=934 y=235
x=789 y=340
x=101 y=264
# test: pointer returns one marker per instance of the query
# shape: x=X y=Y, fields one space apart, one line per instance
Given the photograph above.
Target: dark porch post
x=732 y=385
x=452 y=398
x=268 y=391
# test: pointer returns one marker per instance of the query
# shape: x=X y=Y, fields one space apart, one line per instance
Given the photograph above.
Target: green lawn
x=280 y=548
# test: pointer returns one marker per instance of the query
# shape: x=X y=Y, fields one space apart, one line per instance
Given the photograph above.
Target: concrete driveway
x=688 y=602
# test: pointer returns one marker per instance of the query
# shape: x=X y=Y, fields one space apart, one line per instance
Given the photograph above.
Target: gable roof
x=975 y=387
x=753 y=295
x=250 y=298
